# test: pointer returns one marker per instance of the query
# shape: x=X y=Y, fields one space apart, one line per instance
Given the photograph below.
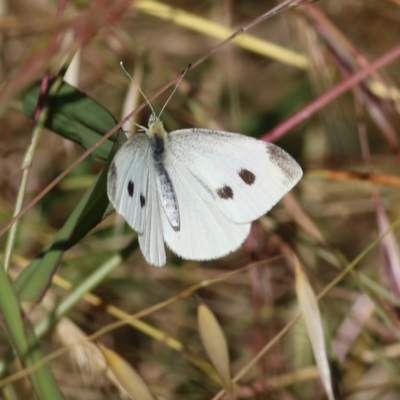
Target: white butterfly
x=197 y=190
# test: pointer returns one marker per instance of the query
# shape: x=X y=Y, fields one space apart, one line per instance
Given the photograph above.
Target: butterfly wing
x=151 y=241
x=131 y=188
x=204 y=233
x=128 y=179
x=240 y=176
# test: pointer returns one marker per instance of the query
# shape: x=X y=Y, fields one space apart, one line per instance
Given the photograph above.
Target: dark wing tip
x=287 y=164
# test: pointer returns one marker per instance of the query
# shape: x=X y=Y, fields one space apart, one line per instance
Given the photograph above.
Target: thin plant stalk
x=25 y=168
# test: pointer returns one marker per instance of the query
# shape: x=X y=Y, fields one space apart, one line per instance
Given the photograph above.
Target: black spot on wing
x=142 y=200
x=247 y=176
x=225 y=192
x=130 y=188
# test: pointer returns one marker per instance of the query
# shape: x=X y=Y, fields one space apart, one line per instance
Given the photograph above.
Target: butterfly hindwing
x=243 y=177
x=204 y=233
x=151 y=241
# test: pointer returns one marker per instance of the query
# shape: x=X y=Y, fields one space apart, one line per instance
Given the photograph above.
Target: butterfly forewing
x=204 y=232
x=128 y=180
x=240 y=176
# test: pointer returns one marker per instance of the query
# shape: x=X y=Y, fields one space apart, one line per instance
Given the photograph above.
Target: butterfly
x=197 y=190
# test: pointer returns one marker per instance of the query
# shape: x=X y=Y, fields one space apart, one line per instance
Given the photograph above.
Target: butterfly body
x=197 y=190
x=158 y=141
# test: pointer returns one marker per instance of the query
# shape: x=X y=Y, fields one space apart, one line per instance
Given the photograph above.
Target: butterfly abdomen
x=164 y=184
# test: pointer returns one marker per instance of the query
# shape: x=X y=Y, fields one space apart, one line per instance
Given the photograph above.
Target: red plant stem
x=329 y=96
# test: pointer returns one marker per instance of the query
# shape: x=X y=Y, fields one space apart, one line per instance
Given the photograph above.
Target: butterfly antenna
x=176 y=87
x=140 y=90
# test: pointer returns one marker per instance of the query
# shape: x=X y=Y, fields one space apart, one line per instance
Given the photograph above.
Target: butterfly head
x=153 y=118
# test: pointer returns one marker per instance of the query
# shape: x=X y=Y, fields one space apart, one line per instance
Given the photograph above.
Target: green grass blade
x=76 y=117
x=25 y=343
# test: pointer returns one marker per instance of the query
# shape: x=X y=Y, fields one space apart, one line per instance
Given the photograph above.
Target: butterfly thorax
x=158 y=141
x=156 y=127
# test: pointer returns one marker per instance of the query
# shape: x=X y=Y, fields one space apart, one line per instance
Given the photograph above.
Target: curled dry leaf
x=214 y=343
x=85 y=355
x=312 y=318
x=127 y=377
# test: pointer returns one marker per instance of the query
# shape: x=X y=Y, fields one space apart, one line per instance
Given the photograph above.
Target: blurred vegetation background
x=256 y=85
